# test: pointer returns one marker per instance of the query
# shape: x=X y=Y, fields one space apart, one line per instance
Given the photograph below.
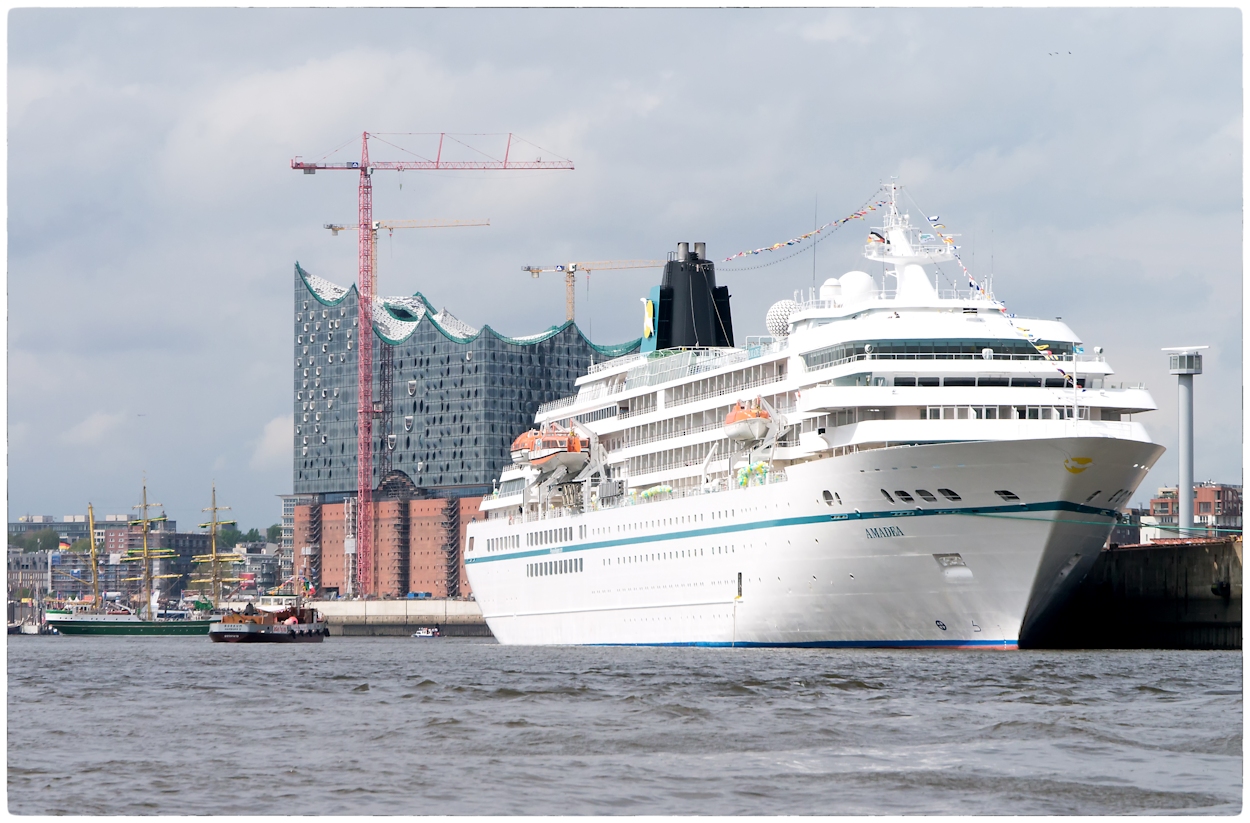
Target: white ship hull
x=778 y=565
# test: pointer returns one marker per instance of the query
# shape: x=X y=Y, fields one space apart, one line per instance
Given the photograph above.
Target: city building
x=69 y=528
x=1217 y=511
x=451 y=399
x=28 y=573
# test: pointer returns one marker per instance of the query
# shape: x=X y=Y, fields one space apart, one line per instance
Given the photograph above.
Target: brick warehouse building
x=449 y=400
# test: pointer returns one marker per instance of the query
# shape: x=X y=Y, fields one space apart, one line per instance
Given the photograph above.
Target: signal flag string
x=796 y=240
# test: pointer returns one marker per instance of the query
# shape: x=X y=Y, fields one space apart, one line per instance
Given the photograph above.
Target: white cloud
x=273 y=449
x=94 y=429
x=837 y=26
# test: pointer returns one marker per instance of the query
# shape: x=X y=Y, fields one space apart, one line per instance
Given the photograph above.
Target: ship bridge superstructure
x=864 y=362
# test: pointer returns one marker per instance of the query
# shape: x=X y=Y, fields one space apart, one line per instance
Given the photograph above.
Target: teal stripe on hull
x=842 y=644
x=138 y=627
x=1019 y=508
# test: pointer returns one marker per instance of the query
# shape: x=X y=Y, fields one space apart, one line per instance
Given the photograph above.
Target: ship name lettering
x=883 y=531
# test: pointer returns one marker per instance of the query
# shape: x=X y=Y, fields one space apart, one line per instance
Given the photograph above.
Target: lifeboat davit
x=549 y=448
x=746 y=423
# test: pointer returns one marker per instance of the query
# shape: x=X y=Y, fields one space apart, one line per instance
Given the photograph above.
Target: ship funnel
x=688 y=309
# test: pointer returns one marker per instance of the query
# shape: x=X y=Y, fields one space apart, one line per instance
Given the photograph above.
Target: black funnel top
x=694 y=311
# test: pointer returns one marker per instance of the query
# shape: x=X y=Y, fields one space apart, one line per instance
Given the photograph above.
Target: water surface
x=149 y=725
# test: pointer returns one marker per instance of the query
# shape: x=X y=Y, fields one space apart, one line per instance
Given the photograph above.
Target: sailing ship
x=104 y=620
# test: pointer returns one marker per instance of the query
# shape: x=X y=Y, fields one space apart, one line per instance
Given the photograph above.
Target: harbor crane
x=571 y=269
x=364 y=285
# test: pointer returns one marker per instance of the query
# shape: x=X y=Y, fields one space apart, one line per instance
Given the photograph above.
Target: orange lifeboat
x=747 y=422
x=550 y=448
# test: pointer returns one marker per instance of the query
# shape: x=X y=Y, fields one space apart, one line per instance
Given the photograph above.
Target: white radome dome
x=777 y=321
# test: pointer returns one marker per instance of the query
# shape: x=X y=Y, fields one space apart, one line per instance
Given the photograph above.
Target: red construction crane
x=364 y=285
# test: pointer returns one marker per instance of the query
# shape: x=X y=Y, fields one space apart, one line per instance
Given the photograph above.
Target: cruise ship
x=900 y=464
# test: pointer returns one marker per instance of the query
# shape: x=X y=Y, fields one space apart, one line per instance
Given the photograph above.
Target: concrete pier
x=398 y=618
x=1169 y=594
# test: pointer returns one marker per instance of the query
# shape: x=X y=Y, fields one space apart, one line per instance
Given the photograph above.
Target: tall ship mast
x=899 y=464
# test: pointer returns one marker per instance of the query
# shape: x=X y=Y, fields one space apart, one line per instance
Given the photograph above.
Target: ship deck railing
x=1059 y=359
x=721 y=485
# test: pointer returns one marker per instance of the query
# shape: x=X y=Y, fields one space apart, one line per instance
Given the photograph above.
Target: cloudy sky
x=1090 y=159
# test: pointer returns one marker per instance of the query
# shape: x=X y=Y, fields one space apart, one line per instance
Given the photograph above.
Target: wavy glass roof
x=396 y=318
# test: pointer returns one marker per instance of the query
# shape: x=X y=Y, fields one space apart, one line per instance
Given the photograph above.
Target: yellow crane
x=391 y=225
x=571 y=269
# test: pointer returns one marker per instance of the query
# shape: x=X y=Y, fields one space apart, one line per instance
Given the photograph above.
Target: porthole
x=1006 y=495
x=904 y=496
x=926 y=495
x=886 y=495
x=949 y=495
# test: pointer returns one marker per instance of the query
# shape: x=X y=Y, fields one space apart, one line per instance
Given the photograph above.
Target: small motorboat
x=747 y=422
x=426 y=631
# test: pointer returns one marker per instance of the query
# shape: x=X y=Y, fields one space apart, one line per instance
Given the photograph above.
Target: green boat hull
x=133 y=627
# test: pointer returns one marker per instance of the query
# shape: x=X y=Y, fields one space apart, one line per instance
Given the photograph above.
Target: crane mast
x=366 y=407
x=571 y=269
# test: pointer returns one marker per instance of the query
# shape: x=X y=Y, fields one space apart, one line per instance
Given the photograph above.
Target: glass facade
x=457 y=396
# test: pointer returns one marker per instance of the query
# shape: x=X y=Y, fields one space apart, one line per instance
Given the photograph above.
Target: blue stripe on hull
x=1019 y=508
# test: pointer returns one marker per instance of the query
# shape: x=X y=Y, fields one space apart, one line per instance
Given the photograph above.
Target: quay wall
x=1169 y=594
x=397 y=618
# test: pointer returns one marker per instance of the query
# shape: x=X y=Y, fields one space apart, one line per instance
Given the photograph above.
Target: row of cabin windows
x=923 y=494
x=721 y=383
x=548 y=536
x=1010 y=413
x=673 y=555
x=498 y=544
x=996 y=382
x=930 y=350
x=569 y=565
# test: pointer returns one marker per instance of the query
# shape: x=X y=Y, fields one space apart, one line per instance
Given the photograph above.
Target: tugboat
x=296 y=624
